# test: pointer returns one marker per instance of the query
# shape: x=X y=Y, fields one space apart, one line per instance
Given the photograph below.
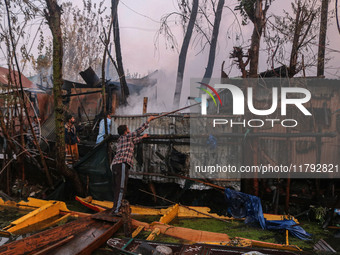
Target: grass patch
x=240 y=229
x=232 y=228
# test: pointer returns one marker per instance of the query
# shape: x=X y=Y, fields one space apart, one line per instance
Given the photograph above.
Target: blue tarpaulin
x=241 y=205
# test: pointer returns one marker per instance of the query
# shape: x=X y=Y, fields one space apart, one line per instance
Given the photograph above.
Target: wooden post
x=289 y=159
x=114 y=103
x=145 y=105
x=277 y=197
x=126 y=214
x=318 y=161
x=8 y=177
x=255 y=163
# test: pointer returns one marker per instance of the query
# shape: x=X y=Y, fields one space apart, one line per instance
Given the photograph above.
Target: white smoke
x=160 y=97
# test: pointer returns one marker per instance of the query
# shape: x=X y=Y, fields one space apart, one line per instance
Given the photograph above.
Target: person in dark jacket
x=71 y=139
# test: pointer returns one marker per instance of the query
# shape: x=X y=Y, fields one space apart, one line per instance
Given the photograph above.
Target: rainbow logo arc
x=209 y=93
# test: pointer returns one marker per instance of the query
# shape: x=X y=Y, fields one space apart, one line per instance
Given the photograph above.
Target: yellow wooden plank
x=137 y=231
x=170 y=214
x=30 y=204
x=274 y=246
x=140 y=210
x=155 y=232
x=183 y=212
x=279 y=217
x=43 y=213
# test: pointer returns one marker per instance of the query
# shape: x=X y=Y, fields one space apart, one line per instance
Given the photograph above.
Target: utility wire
x=140 y=14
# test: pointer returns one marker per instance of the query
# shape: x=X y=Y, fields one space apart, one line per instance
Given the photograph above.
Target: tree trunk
x=322 y=38
x=106 y=43
x=212 y=52
x=259 y=23
x=53 y=14
x=183 y=54
x=124 y=88
x=295 y=43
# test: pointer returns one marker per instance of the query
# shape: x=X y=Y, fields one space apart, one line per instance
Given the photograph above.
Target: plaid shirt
x=126 y=144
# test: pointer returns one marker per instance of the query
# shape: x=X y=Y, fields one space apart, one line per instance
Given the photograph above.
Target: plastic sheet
x=94 y=172
x=241 y=205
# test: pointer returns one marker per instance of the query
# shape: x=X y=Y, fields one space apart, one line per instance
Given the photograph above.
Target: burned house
x=39 y=99
x=85 y=101
x=14 y=117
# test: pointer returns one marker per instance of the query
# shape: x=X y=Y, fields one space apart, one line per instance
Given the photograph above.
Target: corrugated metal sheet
x=155 y=166
x=48 y=128
x=174 y=124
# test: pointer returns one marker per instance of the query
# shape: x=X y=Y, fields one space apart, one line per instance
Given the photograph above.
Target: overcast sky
x=138 y=34
x=139 y=21
x=139 y=24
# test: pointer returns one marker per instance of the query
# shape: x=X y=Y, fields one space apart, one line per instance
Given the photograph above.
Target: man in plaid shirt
x=123 y=160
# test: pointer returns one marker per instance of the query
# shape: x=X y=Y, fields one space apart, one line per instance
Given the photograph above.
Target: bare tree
x=204 y=30
x=23 y=100
x=214 y=37
x=322 y=38
x=297 y=31
x=183 y=53
x=53 y=17
x=81 y=29
x=255 y=11
x=81 y=37
x=124 y=88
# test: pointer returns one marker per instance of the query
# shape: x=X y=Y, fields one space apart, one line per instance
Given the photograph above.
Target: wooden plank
x=170 y=214
x=137 y=231
x=49 y=237
x=52 y=247
x=37 y=242
x=89 y=240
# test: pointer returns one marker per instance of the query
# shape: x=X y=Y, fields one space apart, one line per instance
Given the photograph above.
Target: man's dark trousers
x=120 y=176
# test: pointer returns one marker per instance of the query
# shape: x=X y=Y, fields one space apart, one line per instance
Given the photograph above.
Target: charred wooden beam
x=90 y=77
x=84 y=93
x=145 y=105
